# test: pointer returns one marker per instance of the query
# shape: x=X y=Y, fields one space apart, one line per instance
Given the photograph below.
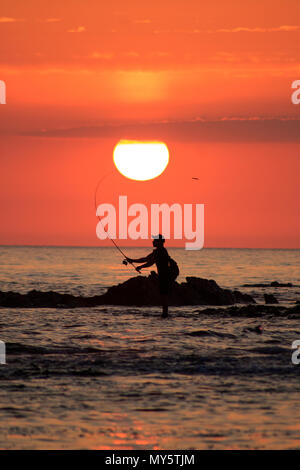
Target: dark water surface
x=123 y=378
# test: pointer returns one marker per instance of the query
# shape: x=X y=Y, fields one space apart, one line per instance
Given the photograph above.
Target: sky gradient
x=211 y=79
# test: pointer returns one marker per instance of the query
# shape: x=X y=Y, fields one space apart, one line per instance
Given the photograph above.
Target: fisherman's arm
x=145 y=259
x=146 y=265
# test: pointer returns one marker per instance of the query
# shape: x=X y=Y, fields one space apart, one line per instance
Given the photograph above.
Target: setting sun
x=141 y=160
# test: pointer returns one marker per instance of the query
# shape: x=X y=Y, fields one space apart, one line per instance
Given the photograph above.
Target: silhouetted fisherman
x=167 y=269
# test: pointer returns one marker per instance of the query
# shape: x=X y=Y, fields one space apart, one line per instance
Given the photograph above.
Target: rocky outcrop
x=271 y=284
x=139 y=291
x=48 y=299
x=270 y=299
x=254 y=311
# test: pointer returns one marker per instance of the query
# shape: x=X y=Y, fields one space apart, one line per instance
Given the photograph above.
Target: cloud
x=143 y=21
x=224 y=129
x=100 y=55
x=160 y=54
x=79 y=29
x=52 y=20
x=131 y=54
x=7 y=19
x=239 y=29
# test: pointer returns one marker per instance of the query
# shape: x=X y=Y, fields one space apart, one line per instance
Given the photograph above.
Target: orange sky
x=211 y=79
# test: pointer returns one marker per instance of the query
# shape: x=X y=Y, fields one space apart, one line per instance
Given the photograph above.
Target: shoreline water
x=120 y=377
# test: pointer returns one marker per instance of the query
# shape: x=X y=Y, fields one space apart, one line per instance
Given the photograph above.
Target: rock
x=253 y=311
x=255 y=329
x=270 y=299
x=142 y=290
x=279 y=284
x=295 y=309
x=139 y=291
x=272 y=284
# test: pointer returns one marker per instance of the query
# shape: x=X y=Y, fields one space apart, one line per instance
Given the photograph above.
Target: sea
x=116 y=377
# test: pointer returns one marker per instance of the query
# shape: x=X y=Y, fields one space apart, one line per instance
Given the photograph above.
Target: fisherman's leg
x=164 y=290
x=165 y=305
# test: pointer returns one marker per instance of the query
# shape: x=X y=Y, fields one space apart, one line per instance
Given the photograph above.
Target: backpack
x=173 y=269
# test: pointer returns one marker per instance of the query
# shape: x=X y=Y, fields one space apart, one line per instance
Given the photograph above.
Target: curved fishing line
x=111 y=239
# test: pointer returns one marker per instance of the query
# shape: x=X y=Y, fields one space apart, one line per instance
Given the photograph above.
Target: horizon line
x=145 y=246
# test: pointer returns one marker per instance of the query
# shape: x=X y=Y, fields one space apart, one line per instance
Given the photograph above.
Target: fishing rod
x=125 y=262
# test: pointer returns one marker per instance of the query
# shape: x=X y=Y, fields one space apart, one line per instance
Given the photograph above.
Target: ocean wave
x=23 y=349
x=270 y=350
x=209 y=333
